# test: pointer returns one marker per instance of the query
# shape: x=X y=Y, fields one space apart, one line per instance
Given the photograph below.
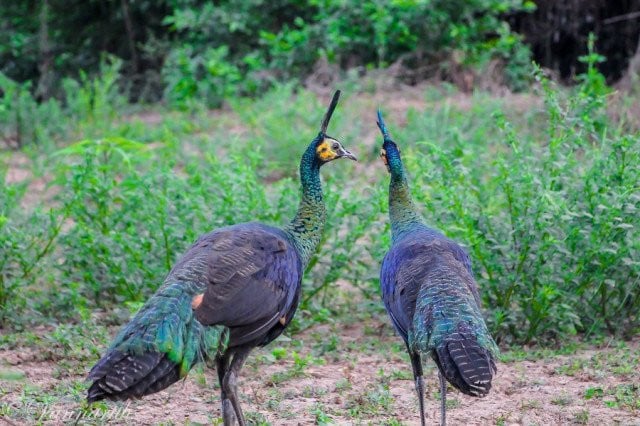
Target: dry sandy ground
x=348 y=388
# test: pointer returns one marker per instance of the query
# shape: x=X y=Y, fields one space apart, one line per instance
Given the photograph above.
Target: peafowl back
x=430 y=294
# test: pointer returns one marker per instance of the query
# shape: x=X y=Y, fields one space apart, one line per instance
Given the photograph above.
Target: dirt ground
x=367 y=382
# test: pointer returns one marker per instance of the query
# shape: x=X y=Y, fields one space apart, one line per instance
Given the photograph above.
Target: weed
x=623 y=361
x=298 y=368
x=581 y=417
x=371 y=402
x=552 y=249
x=256 y=419
x=343 y=384
x=593 y=392
x=279 y=353
x=563 y=399
x=320 y=417
x=624 y=396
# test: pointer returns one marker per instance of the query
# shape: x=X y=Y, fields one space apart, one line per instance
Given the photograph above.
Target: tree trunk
x=130 y=36
x=43 y=89
x=632 y=76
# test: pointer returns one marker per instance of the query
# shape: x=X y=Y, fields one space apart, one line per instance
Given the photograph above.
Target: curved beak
x=344 y=153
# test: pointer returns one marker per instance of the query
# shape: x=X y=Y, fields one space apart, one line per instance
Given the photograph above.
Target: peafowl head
x=328 y=148
x=389 y=147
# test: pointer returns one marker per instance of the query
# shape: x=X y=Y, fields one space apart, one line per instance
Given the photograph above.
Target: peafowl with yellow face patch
x=431 y=296
x=236 y=288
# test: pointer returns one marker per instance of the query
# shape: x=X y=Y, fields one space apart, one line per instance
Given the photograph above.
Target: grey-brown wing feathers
x=252 y=276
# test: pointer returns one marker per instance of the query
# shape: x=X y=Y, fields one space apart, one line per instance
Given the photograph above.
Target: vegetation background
x=128 y=128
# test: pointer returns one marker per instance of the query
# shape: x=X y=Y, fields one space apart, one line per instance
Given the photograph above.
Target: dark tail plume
x=467 y=365
x=120 y=376
x=156 y=348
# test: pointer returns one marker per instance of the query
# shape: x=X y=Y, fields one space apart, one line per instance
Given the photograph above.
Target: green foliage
x=551 y=224
x=92 y=103
x=19 y=38
x=283 y=41
x=196 y=79
x=546 y=202
x=26 y=242
x=194 y=52
x=89 y=107
x=130 y=222
x=624 y=396
x=22 y=119
x=46 y=42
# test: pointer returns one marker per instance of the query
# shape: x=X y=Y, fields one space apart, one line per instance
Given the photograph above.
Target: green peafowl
x=236 y=288
x=430 y=294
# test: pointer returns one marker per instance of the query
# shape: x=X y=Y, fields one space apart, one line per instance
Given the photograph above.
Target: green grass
x=370 y=402
x=624 y=361
x=622 y=396
x=545 y=198
x=581 y=417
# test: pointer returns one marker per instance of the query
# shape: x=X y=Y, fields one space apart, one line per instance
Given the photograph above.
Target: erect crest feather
x=383 y=127
x=329 y=113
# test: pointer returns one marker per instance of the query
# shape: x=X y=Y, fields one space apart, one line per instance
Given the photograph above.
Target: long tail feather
x=132 y=376
x=156 y=348
x=468 y=366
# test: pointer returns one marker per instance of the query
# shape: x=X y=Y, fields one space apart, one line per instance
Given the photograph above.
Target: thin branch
x=619 y=18
x=130 y=34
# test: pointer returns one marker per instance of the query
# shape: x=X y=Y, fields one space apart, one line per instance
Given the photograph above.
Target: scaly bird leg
x=443 y=399
x=222 y=367
x=416 y=364
x=230 y=383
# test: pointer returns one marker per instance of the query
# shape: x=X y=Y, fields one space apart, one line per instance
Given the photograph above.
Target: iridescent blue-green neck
x=308 y=224
x=403 y=214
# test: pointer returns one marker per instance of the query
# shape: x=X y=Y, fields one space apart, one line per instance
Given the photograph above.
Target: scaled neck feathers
x=308 y=224
x=403 y=213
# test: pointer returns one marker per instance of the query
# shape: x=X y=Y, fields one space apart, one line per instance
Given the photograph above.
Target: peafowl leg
x=443 y=399
x=416 y=364
x=230 y=383
x=222 y=367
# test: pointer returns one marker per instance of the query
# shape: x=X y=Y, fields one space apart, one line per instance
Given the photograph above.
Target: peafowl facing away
x=431 y=296
x=236 y=288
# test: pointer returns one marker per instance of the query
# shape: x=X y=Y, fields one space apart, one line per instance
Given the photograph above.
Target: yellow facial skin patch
x=383 y=155
x=325 y=152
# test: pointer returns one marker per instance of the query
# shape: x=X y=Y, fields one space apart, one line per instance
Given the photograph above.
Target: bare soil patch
x=367 y=381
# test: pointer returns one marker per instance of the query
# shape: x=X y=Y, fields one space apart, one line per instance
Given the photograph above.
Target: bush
x=551 y=224
x=546 y=202
x=281 y=41
x=89 y=105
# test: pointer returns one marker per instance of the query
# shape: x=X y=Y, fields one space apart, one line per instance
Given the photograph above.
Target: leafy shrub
x=89 y=105
x=131 y=222
x=23 y=120
x=545 y=201
x=194 y=52
x=202 y=79
x=229 y=49
x=26 y=244
x=551 y=224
